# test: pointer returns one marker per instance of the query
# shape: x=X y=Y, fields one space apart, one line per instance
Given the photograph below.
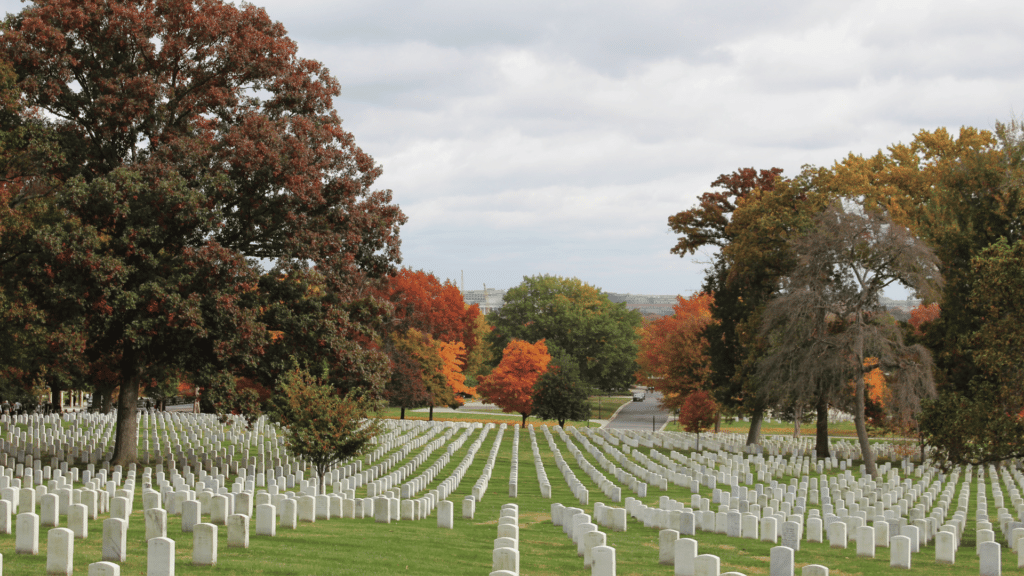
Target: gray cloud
x=536 y=137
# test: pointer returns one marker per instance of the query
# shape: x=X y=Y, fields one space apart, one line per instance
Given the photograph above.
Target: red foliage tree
x=698 y=412
x=406 y=388
x=922 y=315
x=425 y=303
x=510 y=385
x=673 y=353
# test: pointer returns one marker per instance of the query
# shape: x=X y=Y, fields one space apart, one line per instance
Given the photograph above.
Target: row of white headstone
x=910 y=539
x=505 y=556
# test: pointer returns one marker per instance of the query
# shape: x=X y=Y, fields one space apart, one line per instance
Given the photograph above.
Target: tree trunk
x=431 y=412
x=858 y=417
x=756 y=418
x=561 y=423
x=821 y=429
x=698 y=441
x=718 y=422
x=55 y=404
x=525 y=416
x=403 y=413
x=798 y=415
x=126 y=434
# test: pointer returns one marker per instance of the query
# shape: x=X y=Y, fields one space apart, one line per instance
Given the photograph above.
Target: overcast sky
x=531 y=137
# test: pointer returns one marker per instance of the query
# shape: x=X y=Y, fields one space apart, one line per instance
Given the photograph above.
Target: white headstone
x=865 y=542
x=899 y=554
x=289 y=513
x=156 y=523
x=990 y=557
x=686 y=553
x=603 y=561
x=115 y=539
x=26 y=538
x=190 y=515
x=505 y=559
x=667 y=547
x=590 y=541
x=266 y=520
x=837 y=535
x=60 y=551
x=707 y=565
x=238 y=531
x=768 y=530
x=204 y=544
x=160 y=557
x=945 y=548
x=106 y=569
x=78 y=520
x=780 y=561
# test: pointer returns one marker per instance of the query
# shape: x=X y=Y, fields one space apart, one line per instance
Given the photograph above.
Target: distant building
x=900 y=309
x=646 y=304
x=488 y=300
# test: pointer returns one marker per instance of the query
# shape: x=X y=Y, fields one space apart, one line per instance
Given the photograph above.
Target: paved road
x=644 y=415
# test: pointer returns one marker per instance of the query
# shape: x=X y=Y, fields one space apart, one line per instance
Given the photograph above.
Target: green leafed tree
x=560 y=393
x=321 y=425
x=985 y=423
x=579 y=319
x=749 y=217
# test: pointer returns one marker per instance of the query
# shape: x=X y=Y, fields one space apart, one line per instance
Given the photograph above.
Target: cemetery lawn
x=364 y=547
x=601 y=407
x=776 y=428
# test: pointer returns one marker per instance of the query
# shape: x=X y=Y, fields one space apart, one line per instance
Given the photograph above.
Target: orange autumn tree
x=436 y=310
x=510 y=385
x=673 y=352
x=453 y=356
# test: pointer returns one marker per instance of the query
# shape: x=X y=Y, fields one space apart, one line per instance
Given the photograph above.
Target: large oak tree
x=196 y=143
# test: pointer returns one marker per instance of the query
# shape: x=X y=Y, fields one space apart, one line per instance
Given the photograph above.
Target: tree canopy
x=191 y=141
x=577 y=318
x=674 y=352
x=560 y=394
x=510 y=385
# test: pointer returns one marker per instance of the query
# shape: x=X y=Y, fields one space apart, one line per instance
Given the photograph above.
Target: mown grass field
x=346 y=546
x=602 y=407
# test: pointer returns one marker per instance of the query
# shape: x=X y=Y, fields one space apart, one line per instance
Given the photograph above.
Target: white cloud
x=536 y=137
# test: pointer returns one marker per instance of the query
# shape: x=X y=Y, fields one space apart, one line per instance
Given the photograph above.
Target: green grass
x=843 y=430
x=601 y=407
x=346 y=546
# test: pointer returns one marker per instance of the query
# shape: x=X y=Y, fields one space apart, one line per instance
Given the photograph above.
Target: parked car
x=639 y=396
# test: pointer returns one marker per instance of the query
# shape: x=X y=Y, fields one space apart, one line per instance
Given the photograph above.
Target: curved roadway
x=646 y=415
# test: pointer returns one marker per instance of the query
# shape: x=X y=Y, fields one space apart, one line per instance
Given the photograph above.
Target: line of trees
x=181 y=210
x=794 y=321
